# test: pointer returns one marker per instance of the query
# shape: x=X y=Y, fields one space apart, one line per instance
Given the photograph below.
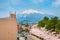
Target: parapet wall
x=8 y=29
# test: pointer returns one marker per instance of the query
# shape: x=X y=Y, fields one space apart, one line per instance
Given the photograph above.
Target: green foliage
x=26 y=25
x=48 y=25
x=51 y=23
x=57 y=27
x=54 y=19
x=43 y=22
x=26 y=30
x=40 y=24
x=45 y=18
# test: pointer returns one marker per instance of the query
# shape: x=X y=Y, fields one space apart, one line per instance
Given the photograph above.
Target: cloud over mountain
x=31 y=15
x=29 y=11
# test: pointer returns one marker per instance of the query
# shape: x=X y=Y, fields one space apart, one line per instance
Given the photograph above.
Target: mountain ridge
x=32 y=17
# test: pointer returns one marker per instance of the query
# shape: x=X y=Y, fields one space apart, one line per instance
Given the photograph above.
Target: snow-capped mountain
x=33 y=17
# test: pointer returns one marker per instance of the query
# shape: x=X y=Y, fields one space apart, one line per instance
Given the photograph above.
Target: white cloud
x=29 y=11
x=56 y=3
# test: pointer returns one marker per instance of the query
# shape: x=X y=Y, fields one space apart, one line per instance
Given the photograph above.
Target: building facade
x=8 y=30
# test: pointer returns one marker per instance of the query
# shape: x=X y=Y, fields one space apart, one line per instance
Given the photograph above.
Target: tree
x=26 y=30
x=41 y=24
x=54 y=19
x=26 y=25
x=57 y=29
x=51 y=23
x=46 y=18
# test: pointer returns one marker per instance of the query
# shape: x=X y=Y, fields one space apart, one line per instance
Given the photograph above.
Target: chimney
x=13 y=15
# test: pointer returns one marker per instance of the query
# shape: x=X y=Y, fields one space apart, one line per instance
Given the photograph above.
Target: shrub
x=49 y=26
x=57 y=29
x=26 y=25
x=41 y=24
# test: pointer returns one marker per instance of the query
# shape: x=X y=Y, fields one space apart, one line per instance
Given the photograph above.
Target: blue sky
x=51 y=7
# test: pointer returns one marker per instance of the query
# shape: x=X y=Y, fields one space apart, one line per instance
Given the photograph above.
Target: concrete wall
x=8 y=28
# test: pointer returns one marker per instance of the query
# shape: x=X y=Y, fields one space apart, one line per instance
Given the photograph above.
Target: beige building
x=8 y=28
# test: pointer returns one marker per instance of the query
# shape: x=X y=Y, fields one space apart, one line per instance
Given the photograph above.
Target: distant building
x=8 y=30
